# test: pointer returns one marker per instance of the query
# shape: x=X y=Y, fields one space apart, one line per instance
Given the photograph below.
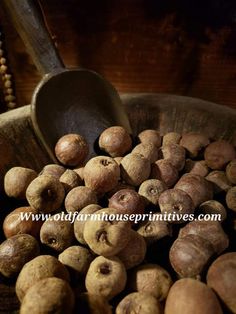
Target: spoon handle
x=29 y=23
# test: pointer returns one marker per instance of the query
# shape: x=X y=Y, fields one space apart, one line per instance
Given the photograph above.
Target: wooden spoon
x=65 y=101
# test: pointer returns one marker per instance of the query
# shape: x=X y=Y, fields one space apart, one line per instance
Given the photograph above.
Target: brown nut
x=198 y=167
x=175 y=154
x=101 y=174
x=151 y=279
x=147 y=150
x=135 y=169
x=53 y=170
x=191 y=296
x=45 y=194
x=134 y=252
x=43 y=266
x=80 y=172
x=17 y=180
x=106 y=277
x=211 y=231
x=163 y=170
x=79 y=223
x=15 y=252
x=219 y=180
x=70 y=180
x=57 y=233
x=194 y=142
x=213 y=207
x=120 y=186
x=71 y=150
x=14 y=223
x=231 y=171
x=49 y=295
x=218 y=154
x=115 y=141
x=151 y=190
x=92 y=303
x=190 y=255
x=176 y=201
x=138 y=302
x=78 y=198
x=231 y=199
x=150 y=136
x=171 y=138
x=197 y=187
x=127 y=201
x=221 y=278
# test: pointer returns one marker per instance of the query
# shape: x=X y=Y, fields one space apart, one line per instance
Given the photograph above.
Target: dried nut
x=219 y=180
x=151 y=190
x=78 y=198
x=218 y=154
x=147 y=150
x=231 y=198
x=120 y=186
x=175 y=154
x=115 y=141
x=198 y=167
x=92 y=303
x=171 y=138
x=231 y=171
x=194 y=143
x=213 y=207
x=70 y=180
x=106 y=277
x=53 y=170
x=150 y=136
x=163 y=170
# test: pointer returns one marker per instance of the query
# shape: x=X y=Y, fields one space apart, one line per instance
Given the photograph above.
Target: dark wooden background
x=181 y=47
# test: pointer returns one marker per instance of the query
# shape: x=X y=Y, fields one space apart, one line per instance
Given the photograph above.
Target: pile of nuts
x=142 y=265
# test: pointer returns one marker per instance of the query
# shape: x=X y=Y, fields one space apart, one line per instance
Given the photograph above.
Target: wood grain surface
x=181 y=47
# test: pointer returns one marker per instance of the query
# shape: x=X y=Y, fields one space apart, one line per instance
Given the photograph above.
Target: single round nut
x=53 y=170
x=231 y=171
x=135 y=169
x=78 y=198
x=151 y=190
x=115 y=141
x=45 y=194
x=56 y=233
x=71 y=150
x=92 y=303
x=191 y=296
x=175 y=154
x=219 y=180
x=49 y=295
x=106 y=277
x=176 y=201
x=138 y=302
x=218 y=154
x=70 y=180
x=15 y=252
x=171 y=138
x=151 y=279
x=163 y=170
x=190 y=255
x=194 y=142
x=221 y=278
x=150 y=136
x=198 y=167
x=43 y=266
x=231 y=198
x=101 y=174
x=147 y=150
x=16 y=181
x=213 y=207
x=14 y=223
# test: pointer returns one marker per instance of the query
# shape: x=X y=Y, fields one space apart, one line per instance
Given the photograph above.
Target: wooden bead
x=3 y=60
x=3 y=68
x=9 y=91
x=8 y=83
x=11 y=105
x=9 y=98
x=8 y=77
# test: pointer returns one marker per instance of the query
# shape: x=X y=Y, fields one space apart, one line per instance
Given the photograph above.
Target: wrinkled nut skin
x=80 y=197
x=57 y=233
x=138 y=302
x=218 y=154
x=70 y=180
x=135 y=169
x=231 y=171
x=219 y=180
x=43 y=266
x=134 y=252
x=50 y=295
x=194 y=143
x=231 y=198
x=197 y=187
x=45 y=194
x=211 y=231
x=71 y=150
x=151 y=190
x=15 y=252
x=14 y=224
x=17 y=180
x=79 y=223
x=152 y=279
x=173 y=153
x=171 y=138
x=189 y=255
x=150 y=136
x=149 y=151
x=191 y=296
x=163 y=170
x=53 y=170
x=106 y=277
x=101 y=174
x=77 y=259
x=115 y=141
x=198 y=167
x=92 y=303
x=221 y=278
x=176 y=201
x=213 y=207
x=127 y=201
